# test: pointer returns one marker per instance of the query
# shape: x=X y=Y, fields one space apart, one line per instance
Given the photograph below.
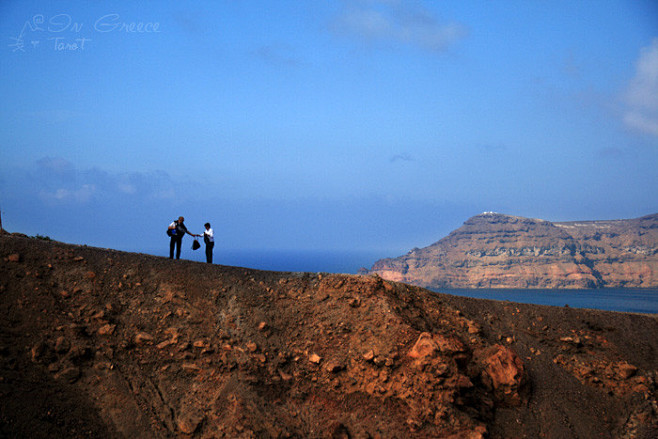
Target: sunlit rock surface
x=492 y=250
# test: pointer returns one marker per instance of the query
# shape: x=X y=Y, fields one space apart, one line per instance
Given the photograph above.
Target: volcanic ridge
x=96 y=343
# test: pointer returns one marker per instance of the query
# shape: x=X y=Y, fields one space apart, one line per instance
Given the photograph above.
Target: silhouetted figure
x=209 y=240
x=178 y=230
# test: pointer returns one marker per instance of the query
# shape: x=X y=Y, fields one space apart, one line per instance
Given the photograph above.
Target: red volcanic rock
x=334 y=366
x=626 y=371
x=189 y=419
x=106 y=329
x=424 y=346
x=143 y=338
x=449 y=344
x=428 y=344
x=503 y=372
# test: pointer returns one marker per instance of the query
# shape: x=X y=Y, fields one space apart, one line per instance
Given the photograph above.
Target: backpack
x=170 y=231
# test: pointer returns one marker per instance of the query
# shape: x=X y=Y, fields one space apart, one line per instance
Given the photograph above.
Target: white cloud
x=405 y=22
x=642 y=93
x=60 y=194
x=165 y=194
x=127 y=188
x=58 y=182
x=80 y=195
x=642 y=122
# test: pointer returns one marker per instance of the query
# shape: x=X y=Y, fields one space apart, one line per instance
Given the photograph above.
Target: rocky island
x=493 y=250
x=97 y=343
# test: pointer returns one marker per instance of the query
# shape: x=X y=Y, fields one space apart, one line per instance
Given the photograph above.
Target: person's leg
x=209 y=247
x=172 y=243
x=179 y=243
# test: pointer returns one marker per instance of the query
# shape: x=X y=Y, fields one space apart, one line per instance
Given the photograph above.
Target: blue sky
x=355 y=125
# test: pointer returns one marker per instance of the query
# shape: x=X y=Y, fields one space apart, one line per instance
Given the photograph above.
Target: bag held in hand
x=195 y=244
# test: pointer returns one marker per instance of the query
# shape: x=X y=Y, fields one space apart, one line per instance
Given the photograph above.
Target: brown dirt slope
x=103 y=344
x=493 y=250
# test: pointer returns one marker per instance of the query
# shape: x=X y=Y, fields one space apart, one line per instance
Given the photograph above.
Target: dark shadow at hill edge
x=35 y=405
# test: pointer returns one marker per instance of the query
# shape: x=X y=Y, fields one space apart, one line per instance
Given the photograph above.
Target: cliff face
x=500 y=251
x=103 y=344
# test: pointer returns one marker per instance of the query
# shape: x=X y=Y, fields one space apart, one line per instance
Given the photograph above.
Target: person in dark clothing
x=178 y=231
x=209 y=240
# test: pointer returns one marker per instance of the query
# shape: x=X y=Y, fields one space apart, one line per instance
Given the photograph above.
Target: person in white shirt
x=209 y=240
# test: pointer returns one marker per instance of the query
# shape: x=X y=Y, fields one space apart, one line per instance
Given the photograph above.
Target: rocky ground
x=105 y=344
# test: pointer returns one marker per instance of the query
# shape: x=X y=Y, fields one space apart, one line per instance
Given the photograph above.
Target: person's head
x=207 y=225
x=181 y=219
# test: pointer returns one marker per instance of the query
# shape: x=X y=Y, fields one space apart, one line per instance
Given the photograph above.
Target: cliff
x=103 y=344
x=492 y=250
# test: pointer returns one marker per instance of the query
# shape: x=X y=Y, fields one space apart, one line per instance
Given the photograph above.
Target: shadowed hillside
x=103 y=344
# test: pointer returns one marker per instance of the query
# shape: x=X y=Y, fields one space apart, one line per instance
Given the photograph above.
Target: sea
x=314 y=261
x=634 y=300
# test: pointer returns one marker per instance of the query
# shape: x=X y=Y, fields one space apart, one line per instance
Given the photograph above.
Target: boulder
x=424 y=346
x=626 y=371
x=503 y=372
x=333 y=366
x=369 y=356
x=189 y=419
